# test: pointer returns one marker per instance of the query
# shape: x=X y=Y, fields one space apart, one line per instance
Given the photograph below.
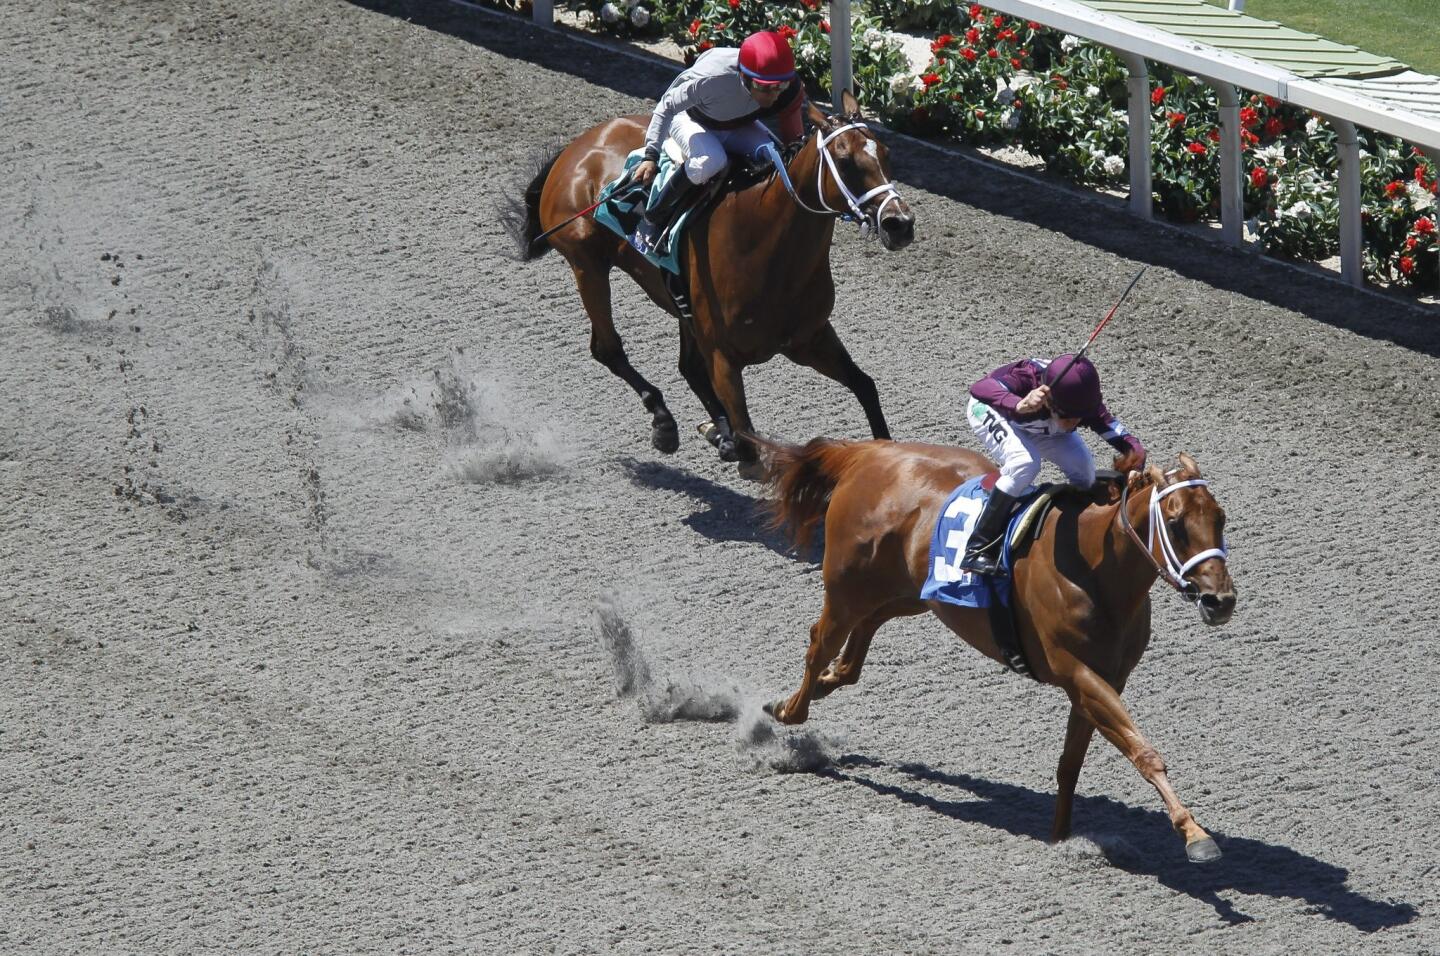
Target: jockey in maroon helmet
x=1026 y=413
x=714 y=108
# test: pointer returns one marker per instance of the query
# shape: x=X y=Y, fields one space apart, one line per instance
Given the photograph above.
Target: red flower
x=979 y=113
x=930 y=79
x=787 y=31
x=695 y=26
x=1248 y=117
x=1157 y=96
x=992 y=53
x=1411 y=242
x=1176 y=119
x=1271 y=103
x=1259 y=178
x=1248 y=138
x=1424 y=226
x=1420 y=175
x=972 y=35
x=968 y=54
x=1213 y=135
x=1006 y=34
x=941 y=42
x=1396 y=188
x=734 y=4
x=1033 y=25
x=705 y=45
x=1060 y=83
x=1197 y=148
x=1407 y=265
x=976 y=11
x=997 y=21
x=1273 y=127
x=824 y=26
x=1015 y=62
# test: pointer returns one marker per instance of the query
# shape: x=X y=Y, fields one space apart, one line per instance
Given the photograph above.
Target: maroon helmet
x=766 y=59
x=1074 y=386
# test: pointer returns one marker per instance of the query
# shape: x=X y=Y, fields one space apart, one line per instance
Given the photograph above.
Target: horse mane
x=800 y=480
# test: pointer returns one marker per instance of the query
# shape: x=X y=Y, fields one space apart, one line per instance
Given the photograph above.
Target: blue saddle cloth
x=946 y=581
x=627 y=205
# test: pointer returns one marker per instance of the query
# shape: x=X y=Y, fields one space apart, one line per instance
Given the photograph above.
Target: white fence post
x=1141 y=200
x=1347 y=151
x=543 y=12
x=1232 y=185
x=841 y=77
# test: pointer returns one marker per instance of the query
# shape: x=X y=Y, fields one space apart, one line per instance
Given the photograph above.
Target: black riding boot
x=671 y=196
x=982 y=554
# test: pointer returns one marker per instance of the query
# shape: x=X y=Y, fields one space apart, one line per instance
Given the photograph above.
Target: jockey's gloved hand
x=1130 y=461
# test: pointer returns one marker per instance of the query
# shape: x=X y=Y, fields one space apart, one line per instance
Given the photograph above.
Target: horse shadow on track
x=1149 y=846
x=727 y=514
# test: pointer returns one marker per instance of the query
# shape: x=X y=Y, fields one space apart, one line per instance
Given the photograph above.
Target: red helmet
x=766 y=58
x=1074 y=386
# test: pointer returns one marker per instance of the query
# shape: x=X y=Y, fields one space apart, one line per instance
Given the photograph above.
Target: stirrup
x=981 y=562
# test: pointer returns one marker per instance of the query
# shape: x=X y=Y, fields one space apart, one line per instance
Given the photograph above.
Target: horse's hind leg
x=826 y=637
x=1078 y=732
x=845 y=670
x=1100 y=703
x=593 y=281
x=826 y=354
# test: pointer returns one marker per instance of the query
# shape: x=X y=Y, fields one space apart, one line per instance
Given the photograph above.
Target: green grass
x=1407 y=30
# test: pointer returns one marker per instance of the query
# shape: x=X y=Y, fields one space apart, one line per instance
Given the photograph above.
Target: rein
x=869 y=224
x=1172 y=571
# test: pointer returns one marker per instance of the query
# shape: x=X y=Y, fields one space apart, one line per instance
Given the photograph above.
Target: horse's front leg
x=592 y=278
x=826 y=354
x=1101 y=704
x=730 y=389
x=1078 y=732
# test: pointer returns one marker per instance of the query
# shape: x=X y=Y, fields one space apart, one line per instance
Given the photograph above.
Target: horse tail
x=521 y=217
x=800 y=480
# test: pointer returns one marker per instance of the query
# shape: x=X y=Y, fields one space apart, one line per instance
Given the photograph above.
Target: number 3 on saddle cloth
x=946 y=581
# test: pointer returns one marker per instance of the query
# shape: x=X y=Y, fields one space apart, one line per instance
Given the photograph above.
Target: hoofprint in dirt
x=317 y=513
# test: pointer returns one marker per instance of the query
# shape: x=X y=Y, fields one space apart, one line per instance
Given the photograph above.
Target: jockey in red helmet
x=714 y=108
x=1026 y=413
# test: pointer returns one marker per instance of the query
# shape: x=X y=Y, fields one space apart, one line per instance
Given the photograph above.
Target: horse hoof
x=665 y=437
x=752 y=470
x=1203 y=851
x=728 y=451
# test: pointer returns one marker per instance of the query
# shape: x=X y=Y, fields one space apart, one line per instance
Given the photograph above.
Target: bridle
x=869 y=223
x=1173 y=571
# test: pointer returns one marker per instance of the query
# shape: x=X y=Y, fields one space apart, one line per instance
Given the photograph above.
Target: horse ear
x=1189 y=464
x=816 y=116
x=849 y=105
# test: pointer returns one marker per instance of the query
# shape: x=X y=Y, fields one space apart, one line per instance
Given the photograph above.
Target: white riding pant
x=706 y=150
x=1021 y=450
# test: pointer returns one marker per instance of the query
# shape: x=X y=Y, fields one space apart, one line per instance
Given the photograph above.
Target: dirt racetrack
x=347 y=609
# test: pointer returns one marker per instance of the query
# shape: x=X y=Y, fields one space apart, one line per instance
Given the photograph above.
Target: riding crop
x=1081 y=354
x=619 y=184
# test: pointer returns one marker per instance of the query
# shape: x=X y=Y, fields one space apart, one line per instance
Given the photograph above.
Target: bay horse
x=1081 y=591
x=757 y=266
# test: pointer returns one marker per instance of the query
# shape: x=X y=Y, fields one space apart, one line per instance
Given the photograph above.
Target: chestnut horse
x=1081 y=590
x=757 y=266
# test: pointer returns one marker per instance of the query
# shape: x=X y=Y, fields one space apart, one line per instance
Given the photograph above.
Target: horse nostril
x=898 y=227
x=1218 y=602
